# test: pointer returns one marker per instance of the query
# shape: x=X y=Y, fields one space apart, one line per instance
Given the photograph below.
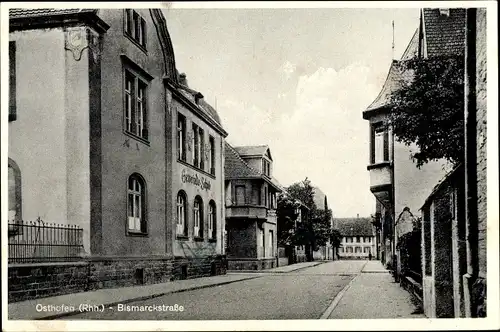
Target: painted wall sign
x=195 y=180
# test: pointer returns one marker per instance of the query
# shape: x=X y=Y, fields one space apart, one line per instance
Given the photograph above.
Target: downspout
x=470 y=154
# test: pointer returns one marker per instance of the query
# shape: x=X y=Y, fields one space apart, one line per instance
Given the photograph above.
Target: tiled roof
x=26 y=13
x=412 y=48
x=235 y=167
x=206 y=107
x=393 y=82
x=256 y=150
x=354 y=226
x=444 y=34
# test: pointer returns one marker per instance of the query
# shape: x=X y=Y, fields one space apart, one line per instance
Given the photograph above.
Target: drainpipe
x=470 y=154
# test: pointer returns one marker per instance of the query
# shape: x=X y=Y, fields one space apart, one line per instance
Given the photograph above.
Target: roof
x=319 y=198
x=412 y=48
x=449 y=177
x=202 y=104
x=444 y=34
x=26 y=13
x=235 y=167
x=255 y=150
x=395 y=78
x=354 y=226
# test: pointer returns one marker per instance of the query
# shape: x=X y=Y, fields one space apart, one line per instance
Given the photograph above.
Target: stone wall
x=479 y=288
x=38 y=280
x=258 y=264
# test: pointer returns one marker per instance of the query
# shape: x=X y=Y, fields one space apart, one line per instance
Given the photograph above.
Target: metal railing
x=37 y=241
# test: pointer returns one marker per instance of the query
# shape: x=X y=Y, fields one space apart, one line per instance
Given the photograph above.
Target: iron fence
x=36 y=241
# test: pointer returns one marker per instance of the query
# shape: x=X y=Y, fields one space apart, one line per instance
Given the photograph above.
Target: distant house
x=325 y=252
x=358 y=238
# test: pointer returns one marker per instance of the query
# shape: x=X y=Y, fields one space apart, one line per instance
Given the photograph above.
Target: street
x=303 y=294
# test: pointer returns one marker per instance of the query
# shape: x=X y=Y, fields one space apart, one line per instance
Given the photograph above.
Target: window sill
x=137 y=233
x=379 y=165
x=198 y=239
x=137 y=138
x=182 y=237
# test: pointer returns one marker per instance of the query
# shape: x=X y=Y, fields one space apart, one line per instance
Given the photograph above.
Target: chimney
x=183 y=79
x=444 y=11
x=198 y=97
x=357 y=216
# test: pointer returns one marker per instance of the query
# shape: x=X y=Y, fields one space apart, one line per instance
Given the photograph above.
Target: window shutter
x=12 y=81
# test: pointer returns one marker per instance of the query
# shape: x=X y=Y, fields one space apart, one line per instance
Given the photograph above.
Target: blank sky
x=297 y=80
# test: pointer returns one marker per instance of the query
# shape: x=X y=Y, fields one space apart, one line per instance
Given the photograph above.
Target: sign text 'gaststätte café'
x=195 y=179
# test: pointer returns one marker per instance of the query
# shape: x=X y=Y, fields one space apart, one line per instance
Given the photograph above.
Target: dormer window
x=266 y=167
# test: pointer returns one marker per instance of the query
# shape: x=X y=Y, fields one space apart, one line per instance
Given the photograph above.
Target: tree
x=316 y=230
x=428 y=109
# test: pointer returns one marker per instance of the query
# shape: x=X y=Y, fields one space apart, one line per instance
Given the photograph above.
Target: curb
x=271 y=272
x=326 y=314
x=146 y=297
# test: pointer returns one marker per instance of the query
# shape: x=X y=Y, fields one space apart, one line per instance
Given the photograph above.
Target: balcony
x=381 y=181
x=246 y=211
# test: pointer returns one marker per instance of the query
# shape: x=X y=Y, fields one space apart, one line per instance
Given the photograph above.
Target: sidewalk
x=374 y=295
x=374 y=267
x=112 y=296
x=280 y=269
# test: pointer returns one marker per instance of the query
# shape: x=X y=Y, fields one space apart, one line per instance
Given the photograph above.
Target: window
x=135 y=105
x=349 y=250
x=265 y=195
x=12 y=81
x=240 y=195
x=181 y=137
x=212 y=221
x=135 y=27
x=198 y=218
x=14 y=196
x=358 y=250
x=211 y=160
x=358 y=239
x=271 y=243
x=201 y=148
x=136 y=204
x=380 y=144
x=181 y=214
x=266 y=167
x=366 y=250
x=263 y=242
x=341 y=249
x=196 y=145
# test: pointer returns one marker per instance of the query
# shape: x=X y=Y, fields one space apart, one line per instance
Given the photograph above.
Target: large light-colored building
x=358 y=238
x=106 y=135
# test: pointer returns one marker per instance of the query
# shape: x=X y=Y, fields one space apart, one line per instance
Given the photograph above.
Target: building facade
x=358 y=238
x=102 y=153
x=251 y=202
x=398 y=185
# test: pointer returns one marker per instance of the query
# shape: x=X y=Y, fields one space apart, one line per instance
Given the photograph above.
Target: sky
x=297 y=80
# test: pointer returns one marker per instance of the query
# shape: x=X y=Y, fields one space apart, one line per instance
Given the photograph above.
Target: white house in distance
x=358 y=238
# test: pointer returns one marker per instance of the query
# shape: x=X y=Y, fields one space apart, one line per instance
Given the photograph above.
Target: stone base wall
x=32 y=281
x=38 y=280
x=257 y=264
x=479 y=297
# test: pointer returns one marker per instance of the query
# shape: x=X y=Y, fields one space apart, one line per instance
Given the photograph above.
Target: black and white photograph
x=249 y=166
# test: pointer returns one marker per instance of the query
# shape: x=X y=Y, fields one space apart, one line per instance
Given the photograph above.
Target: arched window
x=15 y=200
x=136 y=209
x=181 y=214
x=212 y=220
x=198 y=217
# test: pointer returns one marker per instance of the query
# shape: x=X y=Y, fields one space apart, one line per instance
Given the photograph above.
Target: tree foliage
x=316 y=230
x=428 y=109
